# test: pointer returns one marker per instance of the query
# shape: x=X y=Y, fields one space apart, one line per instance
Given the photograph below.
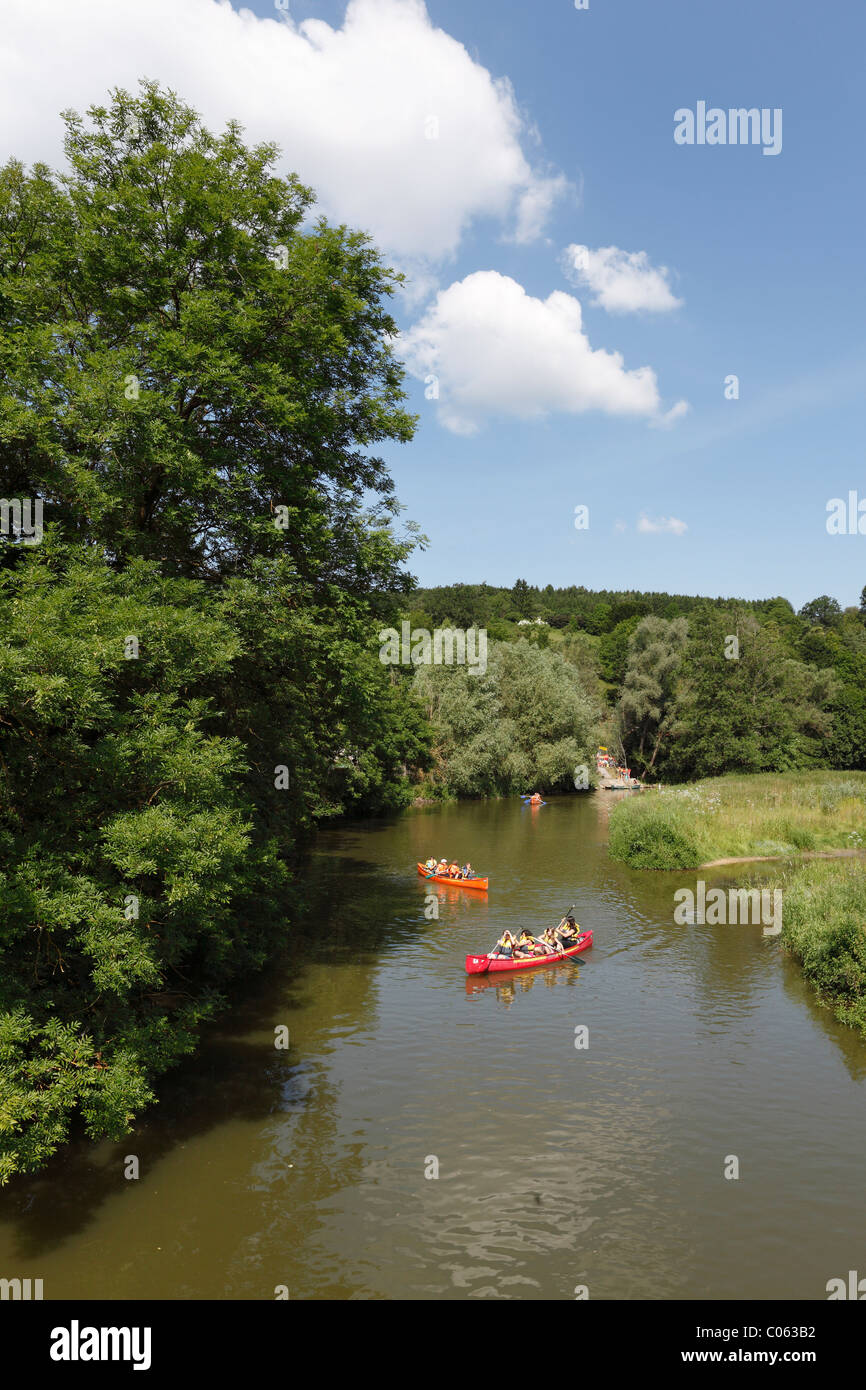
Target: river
x=560 y=1169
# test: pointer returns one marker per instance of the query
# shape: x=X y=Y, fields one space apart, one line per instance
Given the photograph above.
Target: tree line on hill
x=595 y=611
x=684 y=687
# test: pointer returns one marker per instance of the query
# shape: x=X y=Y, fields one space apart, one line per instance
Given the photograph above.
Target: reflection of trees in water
x=305 y=1156
x=349 y=910
x=240 y=1076
x=727 y=971
x=300 y=1147
x=507 y=987
x=236 y=1077
x=849 y=1042
x=730 y=975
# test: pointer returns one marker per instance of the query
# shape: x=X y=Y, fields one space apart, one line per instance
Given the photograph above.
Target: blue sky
x=768 y=254
x=762 y=257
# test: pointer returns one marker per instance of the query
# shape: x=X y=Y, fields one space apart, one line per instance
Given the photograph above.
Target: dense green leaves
x=125 y=840
x=647 y=704
x=194 y=375
x=686 y=703
x=825 y=908
x=745 y=704
x=182 y=354
x=525 y=724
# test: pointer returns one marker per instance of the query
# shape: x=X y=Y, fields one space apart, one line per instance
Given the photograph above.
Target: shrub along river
x=558 y=1166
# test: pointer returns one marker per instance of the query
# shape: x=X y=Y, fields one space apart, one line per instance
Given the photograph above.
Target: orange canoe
x=479 y=885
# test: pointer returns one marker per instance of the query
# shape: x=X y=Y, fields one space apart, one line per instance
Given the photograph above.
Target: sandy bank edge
x=768 y=858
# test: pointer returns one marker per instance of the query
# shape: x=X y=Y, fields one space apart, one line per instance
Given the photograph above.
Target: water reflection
x=507 y=987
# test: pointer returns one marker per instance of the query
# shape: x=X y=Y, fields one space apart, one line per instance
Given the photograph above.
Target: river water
x=559 y=1168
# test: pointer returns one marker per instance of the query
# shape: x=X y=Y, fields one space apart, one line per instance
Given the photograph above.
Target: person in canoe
x=442 y=868
x=430 y=866
x=466 y=871
x=528 y=946
x=535 y=799
x=567 y=932
x=454 y=870
x=504 y=948
x=550 y=941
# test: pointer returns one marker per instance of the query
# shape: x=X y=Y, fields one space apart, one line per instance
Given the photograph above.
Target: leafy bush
x=824 y=927
x=648 y=836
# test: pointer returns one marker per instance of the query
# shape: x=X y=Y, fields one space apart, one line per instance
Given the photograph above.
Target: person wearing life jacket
x=535 y=799
x=528 y=946
x=430 y=866
x=550 y=940
x=442 y=868
x=504 y=948
x=568 y=931
x=466 y=871
x=454 y=870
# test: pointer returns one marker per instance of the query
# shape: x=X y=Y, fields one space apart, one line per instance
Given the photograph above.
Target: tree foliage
x=749 y=708
x=525 y=724
x=646 y=706
x=195 y=375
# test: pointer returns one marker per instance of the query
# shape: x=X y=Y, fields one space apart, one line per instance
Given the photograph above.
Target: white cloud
x=350 y=107
x=535 y=206
x=670 y=417
x=495 y=350
x=670 y=524
x=623 y=282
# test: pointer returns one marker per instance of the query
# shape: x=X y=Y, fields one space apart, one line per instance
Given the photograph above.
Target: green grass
x=740 y=817
x=823 y=902
x=824 y=927
x=646 y=835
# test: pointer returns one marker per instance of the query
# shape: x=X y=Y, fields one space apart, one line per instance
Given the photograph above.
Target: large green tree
x=843 y=649
x=823 y=610
x=194 y=376
x=745 y=704
x=646 y=707
x=185 y=352
x=526 y=723
x=129 y=872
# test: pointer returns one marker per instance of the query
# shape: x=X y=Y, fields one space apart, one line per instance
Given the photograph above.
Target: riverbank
x=816 y=816
x=774 y=858
x=764 y=816
x=824 y=928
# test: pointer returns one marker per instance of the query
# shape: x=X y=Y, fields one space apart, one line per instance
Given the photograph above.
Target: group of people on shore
x=442 y=869
x=609 y=767
x=523 y=946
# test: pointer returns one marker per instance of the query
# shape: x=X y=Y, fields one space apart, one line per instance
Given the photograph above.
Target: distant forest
x=682 y=686
x=596 y=611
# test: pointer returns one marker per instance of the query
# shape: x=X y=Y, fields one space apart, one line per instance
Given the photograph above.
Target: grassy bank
x=823 y=902
x=824 y=927
x=760 y=816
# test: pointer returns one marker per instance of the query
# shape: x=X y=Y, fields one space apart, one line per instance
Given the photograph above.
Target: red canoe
x=478 y=884
x=483 y=965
